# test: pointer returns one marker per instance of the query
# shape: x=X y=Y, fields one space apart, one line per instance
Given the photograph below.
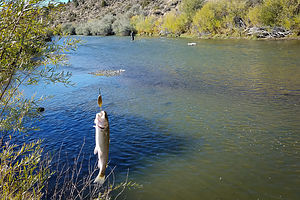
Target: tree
x=27 y=56
x=272 y=13
x=210 y=17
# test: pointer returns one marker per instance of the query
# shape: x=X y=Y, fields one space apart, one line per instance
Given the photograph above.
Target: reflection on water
x=219 y=120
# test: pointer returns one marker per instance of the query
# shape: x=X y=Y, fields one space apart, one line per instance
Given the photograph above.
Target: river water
x=220 y=120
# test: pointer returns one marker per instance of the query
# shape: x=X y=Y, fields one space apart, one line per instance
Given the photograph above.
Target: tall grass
x=28 y=173
x=71 y=182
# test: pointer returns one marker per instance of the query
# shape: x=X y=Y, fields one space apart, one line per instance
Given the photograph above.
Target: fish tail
x=100 y=179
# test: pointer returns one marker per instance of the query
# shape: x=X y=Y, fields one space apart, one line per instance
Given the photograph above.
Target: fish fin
x=95 y=150
x=100 y=179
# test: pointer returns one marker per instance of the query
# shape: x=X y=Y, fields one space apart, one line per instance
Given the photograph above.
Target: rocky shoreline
x=268 y=32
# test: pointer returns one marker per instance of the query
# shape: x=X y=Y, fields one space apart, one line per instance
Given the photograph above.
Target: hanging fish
x=102 y=144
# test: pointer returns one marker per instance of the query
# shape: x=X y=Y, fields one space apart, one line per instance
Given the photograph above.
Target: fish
x=102 y=144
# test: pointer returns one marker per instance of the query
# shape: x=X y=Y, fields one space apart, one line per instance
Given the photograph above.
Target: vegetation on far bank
x=201 y=18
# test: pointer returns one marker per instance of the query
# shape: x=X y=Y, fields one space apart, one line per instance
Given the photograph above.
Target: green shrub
x=103 y=26
x=103 y=3
x=296 y=24
x=274 y=13
x=136 y=22
x=122 y=26
x=127 y=8
x=96 y=27
x=252 y=3
x=149 y=24
x=68 y=29
x=145 y=3
x=234 y=19
x=134 y=10
x=175 y=24
x=210 y=17
x=75 y=2
x=190 y=7
x=271 y=12
x=236 y=8
x=72 y=16
x=221 y=17
x=83 y=29
x=158 y=25
x=254 y=15
x=143 y=25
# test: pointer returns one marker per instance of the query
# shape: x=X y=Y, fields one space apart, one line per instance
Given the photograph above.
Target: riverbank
x=224 y=37
x=260 y=34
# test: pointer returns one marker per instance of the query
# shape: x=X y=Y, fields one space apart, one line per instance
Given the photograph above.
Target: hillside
x=84 y=10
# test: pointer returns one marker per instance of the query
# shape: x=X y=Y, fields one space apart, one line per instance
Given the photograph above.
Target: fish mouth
x=102 y=114
x=101 y=120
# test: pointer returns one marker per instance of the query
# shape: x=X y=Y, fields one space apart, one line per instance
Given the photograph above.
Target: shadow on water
x=135 y=142
x=133 y=139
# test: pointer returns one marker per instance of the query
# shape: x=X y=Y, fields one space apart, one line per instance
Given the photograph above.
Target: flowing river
x=219 y=120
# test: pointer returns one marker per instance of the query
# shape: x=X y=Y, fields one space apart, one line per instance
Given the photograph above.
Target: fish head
x=101 y=120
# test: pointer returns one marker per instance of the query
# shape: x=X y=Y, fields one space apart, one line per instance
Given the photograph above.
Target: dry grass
x=70 y=184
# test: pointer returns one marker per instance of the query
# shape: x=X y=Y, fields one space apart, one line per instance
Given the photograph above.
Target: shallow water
x=219 y=120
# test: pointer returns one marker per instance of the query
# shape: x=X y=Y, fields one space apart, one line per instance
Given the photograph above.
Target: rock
x=164 y=33
x=262 y=32
x=108 y=72
x=166 y=10
x=278 y=29
x=279 y=32
x=157 y=12
x=239 y=22
x=259 y=32
x=175 y=3
x=40 y=109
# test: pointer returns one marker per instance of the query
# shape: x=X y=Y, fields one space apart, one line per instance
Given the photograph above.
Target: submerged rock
x=108 y=72
x=40 y=109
